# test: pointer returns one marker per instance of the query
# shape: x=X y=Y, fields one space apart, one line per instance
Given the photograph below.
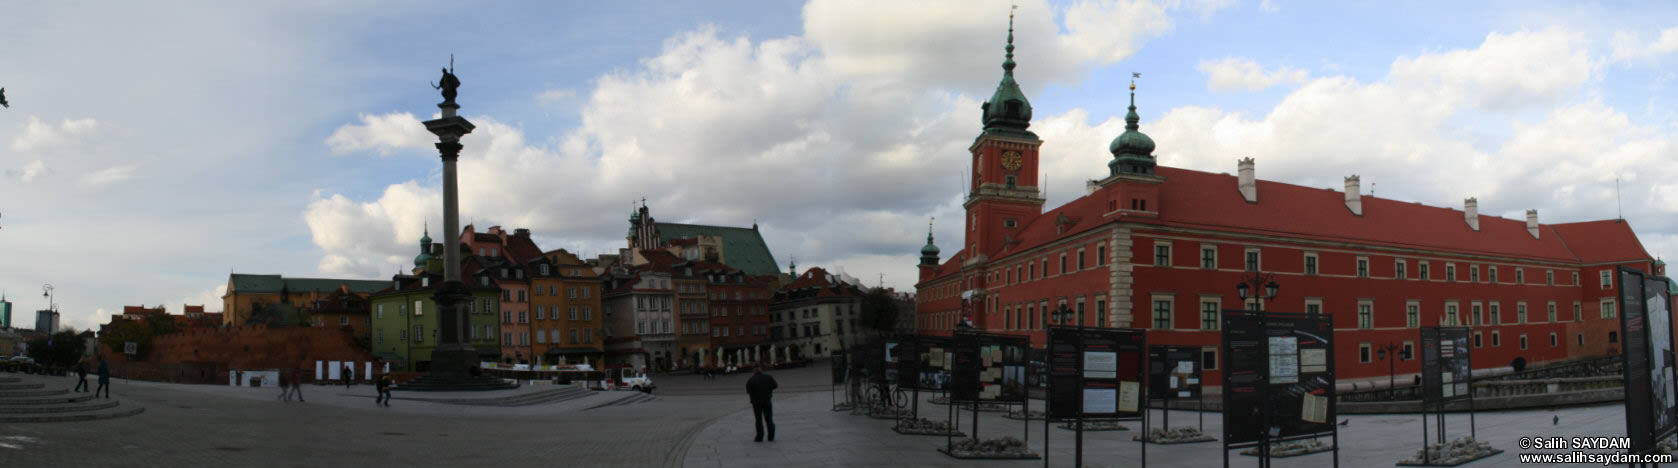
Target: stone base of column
x=453 y=356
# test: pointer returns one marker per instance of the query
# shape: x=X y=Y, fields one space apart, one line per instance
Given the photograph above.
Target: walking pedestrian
x=760 y=387
x=297 y=384
x=349 y=374
x=81 y=376
x=104 y=379
x=382 y=383
x=285 y=385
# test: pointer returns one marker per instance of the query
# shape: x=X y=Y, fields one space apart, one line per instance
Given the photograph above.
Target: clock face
x=1011 y=160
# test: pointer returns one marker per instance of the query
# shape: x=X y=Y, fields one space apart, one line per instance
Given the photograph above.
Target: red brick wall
x=244 y=347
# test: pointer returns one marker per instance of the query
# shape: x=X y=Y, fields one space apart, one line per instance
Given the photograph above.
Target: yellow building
x=248 y=293
x=566 y=314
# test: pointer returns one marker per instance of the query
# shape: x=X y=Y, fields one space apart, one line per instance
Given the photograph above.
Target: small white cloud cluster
x=1244 y=74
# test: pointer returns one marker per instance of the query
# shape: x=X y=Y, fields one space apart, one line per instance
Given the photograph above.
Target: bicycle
x=898 y=398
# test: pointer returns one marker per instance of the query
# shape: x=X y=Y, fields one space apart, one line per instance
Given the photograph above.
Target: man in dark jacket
x=104 y=379
x=760 y=386
x=81 y=376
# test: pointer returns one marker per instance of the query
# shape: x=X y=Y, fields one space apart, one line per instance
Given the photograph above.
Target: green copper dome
x=1133 y=151
x=1007 y=111
x=425 y=247
x=929 y=253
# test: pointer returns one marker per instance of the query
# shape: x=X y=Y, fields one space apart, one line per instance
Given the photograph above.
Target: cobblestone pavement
x=693 y=422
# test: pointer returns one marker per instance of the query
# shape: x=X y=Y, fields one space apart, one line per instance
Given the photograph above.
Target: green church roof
x=743 y=248
x=274 y=283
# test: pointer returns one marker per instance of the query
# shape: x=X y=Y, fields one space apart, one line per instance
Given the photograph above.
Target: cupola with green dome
x=425 y=250
x=1133 y=151
x=929 y=253
x=1007 y=111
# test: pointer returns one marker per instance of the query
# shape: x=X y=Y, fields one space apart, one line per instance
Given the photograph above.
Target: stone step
x=9 y=394
x=10 y=379
x=46 y=400
x=20 y=386
x=636 y=398
x=457 y=383
x=104 y=413
x=91 y=405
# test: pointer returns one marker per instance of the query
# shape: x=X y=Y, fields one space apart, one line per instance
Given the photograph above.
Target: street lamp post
x=52 y=308
x=1259 y=287
x=1390 y=349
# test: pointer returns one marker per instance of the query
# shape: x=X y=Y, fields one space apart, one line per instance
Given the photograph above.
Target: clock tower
x=1003 y=195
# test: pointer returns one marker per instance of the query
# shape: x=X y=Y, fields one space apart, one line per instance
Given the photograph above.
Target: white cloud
x=554 y=96
x=209 y=298
x=930 y=44
x=1269 y=6
x=383 y=134
x=108 y=175
x=1401 y=132
x=1629 y=45
x=1507 y=71
x=29 y=171
x=38 y=135
x=1235 y=73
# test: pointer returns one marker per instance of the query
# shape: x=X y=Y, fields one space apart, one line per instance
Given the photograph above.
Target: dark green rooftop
x=743 y=248
x=274 y=283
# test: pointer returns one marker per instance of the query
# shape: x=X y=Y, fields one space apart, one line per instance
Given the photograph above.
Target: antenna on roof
x=1372 y=189
x=1620 y=212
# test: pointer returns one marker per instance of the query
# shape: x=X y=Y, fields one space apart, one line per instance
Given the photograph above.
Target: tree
x=161 y=323
x=879 y=311
x=61 y=349
x=124 y=331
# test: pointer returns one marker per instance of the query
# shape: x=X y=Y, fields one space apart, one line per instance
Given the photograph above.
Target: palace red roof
x=1202 y=200
x=1602 y=241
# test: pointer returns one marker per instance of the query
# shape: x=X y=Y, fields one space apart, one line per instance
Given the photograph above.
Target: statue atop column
x=449 y=84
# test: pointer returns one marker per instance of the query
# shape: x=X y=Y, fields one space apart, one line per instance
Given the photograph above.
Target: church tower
x=1003 y=195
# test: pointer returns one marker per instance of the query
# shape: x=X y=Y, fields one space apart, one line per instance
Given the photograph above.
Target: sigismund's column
x=453 y=355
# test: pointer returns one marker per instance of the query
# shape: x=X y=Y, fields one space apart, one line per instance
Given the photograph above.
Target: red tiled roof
x=522 y=249
x=1601 y=241
x=659 y=260
x=1202 y=200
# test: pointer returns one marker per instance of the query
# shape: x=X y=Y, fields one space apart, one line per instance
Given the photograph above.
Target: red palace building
x=1162 y=249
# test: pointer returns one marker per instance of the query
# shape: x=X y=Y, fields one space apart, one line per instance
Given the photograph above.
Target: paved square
x=690 y=422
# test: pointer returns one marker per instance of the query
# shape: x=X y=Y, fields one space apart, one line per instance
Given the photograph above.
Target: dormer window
x=483 y=281
x=503 y=273
x=544 y=270
x=425 y=282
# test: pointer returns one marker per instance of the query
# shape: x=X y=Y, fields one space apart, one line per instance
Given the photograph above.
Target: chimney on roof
x=1532 y=223
x=1090 y=187
x=1471 y=212
x=1248 y=184
x=521 y=233
x=1354 y=195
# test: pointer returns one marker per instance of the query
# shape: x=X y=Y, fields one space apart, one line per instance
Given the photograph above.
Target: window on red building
x=1209 y=257
x=1310 y=263
x=1422 y=268
x=1101 y=254
x=1450 y=272
x=1162 y=255
x=1363 y=267
x=1398 y=268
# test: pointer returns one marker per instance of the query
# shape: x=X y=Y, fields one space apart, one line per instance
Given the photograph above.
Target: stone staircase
x=529 y=399
x=463 y=383
x=633 y=398
x=22 y=401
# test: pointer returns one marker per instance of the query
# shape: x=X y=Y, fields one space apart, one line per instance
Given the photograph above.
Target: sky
x=151 y=149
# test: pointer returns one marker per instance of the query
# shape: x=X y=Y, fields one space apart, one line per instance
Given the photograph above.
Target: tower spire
x=1007 y=111
x=929 y=253
x=1133 y=151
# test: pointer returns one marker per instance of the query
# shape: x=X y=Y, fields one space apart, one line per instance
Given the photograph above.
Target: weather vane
x=3 y=99
x=1133 y=77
